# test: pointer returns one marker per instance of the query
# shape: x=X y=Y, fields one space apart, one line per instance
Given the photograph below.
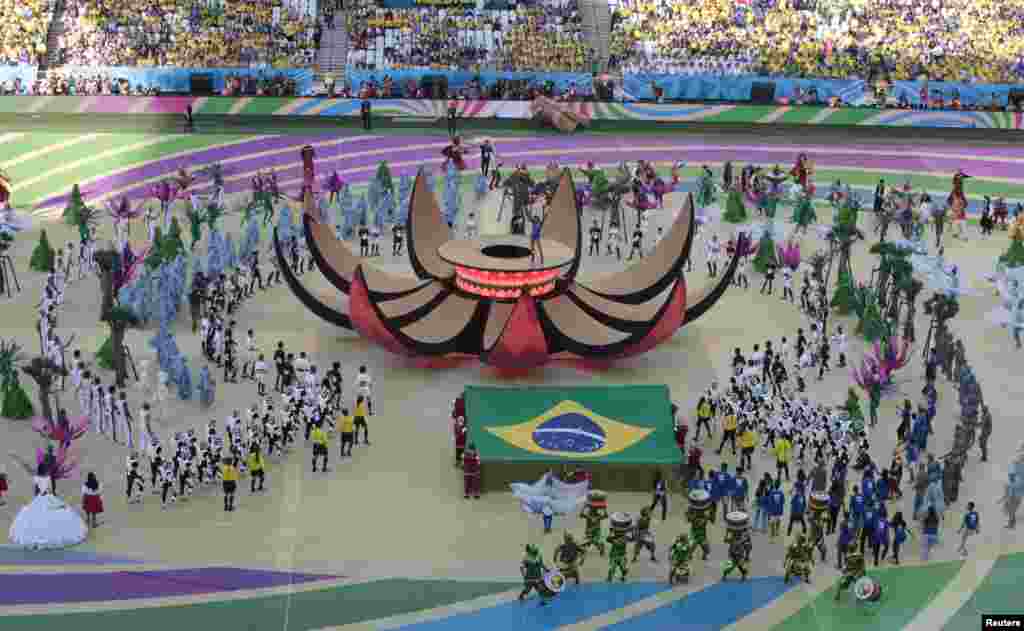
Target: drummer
x=644 y=536
x=533 y=569
x=569 y=558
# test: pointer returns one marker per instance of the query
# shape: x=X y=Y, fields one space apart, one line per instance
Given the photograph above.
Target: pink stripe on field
x=169 y=104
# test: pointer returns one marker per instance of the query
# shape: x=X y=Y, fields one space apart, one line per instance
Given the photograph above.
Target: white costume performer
x=47 y=522
x=161 y=394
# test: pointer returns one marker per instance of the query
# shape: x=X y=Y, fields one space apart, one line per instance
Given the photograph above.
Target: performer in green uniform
x=617 y=555
x=739 y=554
x=705 y=187
x=817 y=536
x=853 y=570
x=598 y=181
x=533 y=570
x=799 y=559
x=681 y=553
x=569 y=558
x=595 y=511
x=699 y=530
x=644 y=538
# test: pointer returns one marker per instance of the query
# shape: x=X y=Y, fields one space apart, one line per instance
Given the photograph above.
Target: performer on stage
x=569 y=557
x=533 y=569
x=455 y=153
x=617 y=555
x=486 y=154
x=957 y=202
x=802 y=172
x=536 y=249
x=644 y=537
x=799 y=559
x=594 y=513
x=739 y=553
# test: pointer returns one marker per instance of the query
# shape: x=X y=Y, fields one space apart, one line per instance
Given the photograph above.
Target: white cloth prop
x=47 y=522
x=561 y=497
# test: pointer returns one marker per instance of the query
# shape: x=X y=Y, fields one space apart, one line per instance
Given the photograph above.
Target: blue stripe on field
x=712 y=608
x=575 y=604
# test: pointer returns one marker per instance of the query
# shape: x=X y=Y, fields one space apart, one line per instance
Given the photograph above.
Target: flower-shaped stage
x=485 y=298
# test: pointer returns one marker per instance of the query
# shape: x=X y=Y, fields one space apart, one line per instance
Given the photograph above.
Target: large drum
x=597 y=499
x=553 y=583
x=867 y=589
x=621 y=523
x=737 y=521
x=819 y=502
x=700 y=500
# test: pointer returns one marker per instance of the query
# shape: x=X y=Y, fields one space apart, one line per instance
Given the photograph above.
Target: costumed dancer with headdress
x=569 y=558
x=698 y=514
x=737 y=535
x=957 y=202
x=705 y=187
x=595 y=511
x=680 y=553
x=803 y=172
x=598 y=181
x=644 y=536
x=799 y=559
x=819 y=513
x=533 y=569
x=455 y=153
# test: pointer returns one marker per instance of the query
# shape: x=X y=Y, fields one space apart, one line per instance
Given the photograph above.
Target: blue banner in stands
x=782 y=90
x=27 y=74
x=178 y=79
x=458 y=79
x=410 y=4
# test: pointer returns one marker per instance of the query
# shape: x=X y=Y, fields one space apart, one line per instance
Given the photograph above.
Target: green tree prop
x=852 y=407
x=735 y=209
x=172 y=245
x=73 y=211
x=42 y=256
x=16 y=403
x=118 y=318
x=45 y=372
x=105 y=355
x=1014 y=256
x=844 y=300
x=156 y=251
x=766 y=254
x=803 y=213
x=871 y=326
x=384 y=177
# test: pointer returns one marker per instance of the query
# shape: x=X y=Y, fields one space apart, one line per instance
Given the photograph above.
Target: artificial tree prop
x=122 y=213
x=216 y=255
x=61 y=431
x=73 y=211
x=112 y=277
x=44 y=372
x=871 y=326
x=172 y=246
x=42 y=256
x=766 y=256
x=231 y=253
x=404 y=197
x=887 y=355
x=735 y=209
x=250 y=240
x=16 y=403
x=789 y=255
x=853 y=411
x=285 y=224
x=334 y=185
x=481 y=187
x=1014 y=255
x=183 y=379
x=362 y=212
x=206 y=387
x=803 y=212
x=387 y=211
x=166 y=192
x=383 y=177
x=844 y=300
x=452 y=195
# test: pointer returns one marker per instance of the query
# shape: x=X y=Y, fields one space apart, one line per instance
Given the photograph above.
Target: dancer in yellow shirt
x=229 y=476
x=347 y=432
x=257 y=468
x=319 y=438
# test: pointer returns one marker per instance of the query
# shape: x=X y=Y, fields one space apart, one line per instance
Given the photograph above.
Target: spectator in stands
x=23 y=28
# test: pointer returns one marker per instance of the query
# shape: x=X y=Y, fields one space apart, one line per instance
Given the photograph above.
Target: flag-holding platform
x=621 y=435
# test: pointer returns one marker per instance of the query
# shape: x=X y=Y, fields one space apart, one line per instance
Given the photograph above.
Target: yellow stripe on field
x=5 y=138
x=40 y=103
x=59 y=146
x=103 y=155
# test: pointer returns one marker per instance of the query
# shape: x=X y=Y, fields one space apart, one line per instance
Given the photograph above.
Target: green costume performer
x=699 y=531
x=735 y=210
x=803 y=213
x=799 y=559
x=594 y=515
x=739 y=554
x=817 y=537
x=598 y=182
x=705 y=188
x=681 y=553
x=195 y=222
x=569 y=558
x=617 y=556
x=533 y=570
x=854 y=569
x=644 y=538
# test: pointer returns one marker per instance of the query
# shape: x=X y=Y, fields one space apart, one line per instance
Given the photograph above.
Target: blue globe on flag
x=571 y=432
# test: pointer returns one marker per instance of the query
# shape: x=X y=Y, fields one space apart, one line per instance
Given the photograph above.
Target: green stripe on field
x=998 y=593
x=61 y=183
x=57 y=158
x=31 y=142
x=905 y=591
x=299 y=611
x=217 y=105
x=799 y=115
x=266 y=105
x=18 y=104
x=850 y=116
x=741 y=114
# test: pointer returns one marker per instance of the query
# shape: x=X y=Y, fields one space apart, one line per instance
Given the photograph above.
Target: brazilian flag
x=601 y=424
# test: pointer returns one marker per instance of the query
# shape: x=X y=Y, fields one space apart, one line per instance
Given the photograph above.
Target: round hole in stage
x=506 y=251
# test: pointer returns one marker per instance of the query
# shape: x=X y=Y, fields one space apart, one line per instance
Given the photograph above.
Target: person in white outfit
x=364 y=388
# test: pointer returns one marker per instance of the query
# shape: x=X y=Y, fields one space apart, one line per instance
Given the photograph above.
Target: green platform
x=621 y=434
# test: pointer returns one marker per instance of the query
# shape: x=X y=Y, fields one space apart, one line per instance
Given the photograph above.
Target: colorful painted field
x=43 y=167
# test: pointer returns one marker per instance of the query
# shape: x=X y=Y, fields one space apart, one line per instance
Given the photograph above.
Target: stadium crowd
x=23 y=28
x=535 y=36
x=197 y=35
x=953 y=40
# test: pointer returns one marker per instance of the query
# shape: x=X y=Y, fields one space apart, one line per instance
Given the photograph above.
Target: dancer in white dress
x=47 y=522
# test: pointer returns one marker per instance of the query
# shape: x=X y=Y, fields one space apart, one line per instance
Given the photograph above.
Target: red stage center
x=500 y=268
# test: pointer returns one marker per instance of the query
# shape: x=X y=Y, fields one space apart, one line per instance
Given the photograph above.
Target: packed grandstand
x=971 y=41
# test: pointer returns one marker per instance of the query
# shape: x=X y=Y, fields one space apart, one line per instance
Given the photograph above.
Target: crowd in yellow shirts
x=23 y=27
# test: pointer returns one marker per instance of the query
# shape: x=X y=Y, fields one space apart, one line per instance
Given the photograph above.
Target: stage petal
x=367 y=321
x=703 y=300
x=562 y=222
x=317 y=305
x=427 y=232
x=642 y=281
x=332 y=257
x=522 y=343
